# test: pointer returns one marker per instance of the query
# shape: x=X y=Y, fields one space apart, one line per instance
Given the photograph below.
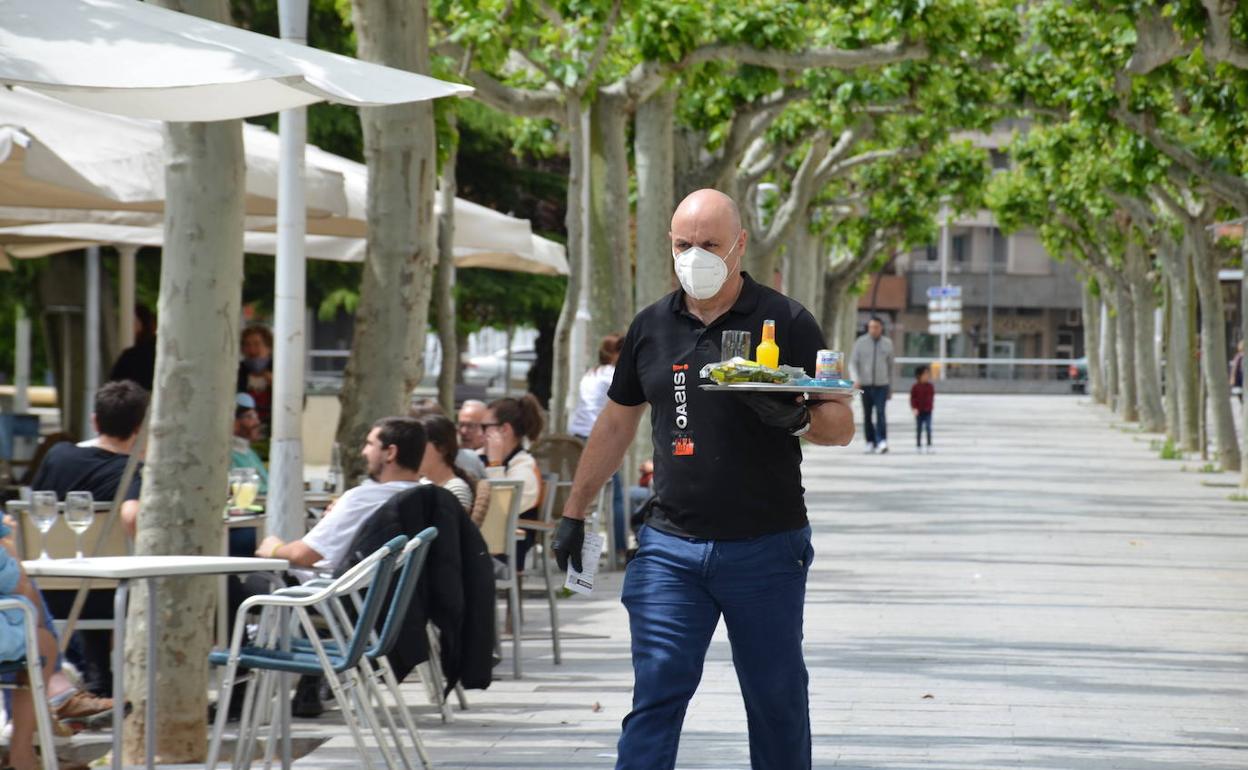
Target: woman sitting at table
x=438 y=466
x=15 y=584
x=512 y=424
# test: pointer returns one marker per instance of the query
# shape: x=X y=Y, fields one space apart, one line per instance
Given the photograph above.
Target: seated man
x=394 y=450
x=247 y=430
x=119 y=410
x=118 y=415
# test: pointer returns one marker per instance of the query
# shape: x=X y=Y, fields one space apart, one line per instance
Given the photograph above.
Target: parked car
x=1078 y=375
x=489 y=370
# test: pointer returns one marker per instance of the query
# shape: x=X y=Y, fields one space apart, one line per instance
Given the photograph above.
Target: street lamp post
x=945 y=243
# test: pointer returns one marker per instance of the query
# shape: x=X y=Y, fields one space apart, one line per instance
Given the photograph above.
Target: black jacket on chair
x=455 y=592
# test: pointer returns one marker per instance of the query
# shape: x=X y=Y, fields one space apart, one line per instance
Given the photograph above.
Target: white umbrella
x=57 y=156
x=137 y=59
x=541 y=256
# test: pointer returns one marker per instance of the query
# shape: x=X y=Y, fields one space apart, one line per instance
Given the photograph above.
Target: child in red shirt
x=922 y=399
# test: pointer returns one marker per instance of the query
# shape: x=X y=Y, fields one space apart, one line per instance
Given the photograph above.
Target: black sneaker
x=236 y=704
x=307 y=701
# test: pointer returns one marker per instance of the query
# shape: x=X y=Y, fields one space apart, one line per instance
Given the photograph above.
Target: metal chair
x=410 y=565
x=499 y=531
x=31 y=664
x=346 y=668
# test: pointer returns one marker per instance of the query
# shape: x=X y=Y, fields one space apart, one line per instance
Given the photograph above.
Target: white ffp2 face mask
x=702 y=273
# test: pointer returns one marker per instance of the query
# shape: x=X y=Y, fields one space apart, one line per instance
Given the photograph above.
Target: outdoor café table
x=125 y=569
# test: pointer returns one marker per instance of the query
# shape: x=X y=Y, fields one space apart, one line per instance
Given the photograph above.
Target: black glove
x=779 y=410
x=569 y=542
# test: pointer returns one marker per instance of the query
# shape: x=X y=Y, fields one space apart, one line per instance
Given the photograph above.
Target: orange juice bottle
x=768 y=353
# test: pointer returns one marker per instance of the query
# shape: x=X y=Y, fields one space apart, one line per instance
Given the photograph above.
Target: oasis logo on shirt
x=679 y=373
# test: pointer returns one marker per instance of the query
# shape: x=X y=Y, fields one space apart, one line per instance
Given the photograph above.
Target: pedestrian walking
x=728 y=533
x=922 y=400
x=871 y=367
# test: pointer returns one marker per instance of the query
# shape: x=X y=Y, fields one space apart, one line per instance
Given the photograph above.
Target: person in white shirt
x=394 y=451
x=593 y=397
x=439 y=465
x=511 y=424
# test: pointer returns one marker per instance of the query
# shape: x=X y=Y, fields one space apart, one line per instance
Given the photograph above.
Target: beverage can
x=829 y=365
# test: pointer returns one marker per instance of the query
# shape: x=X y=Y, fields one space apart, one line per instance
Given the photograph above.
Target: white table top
x=129 y=567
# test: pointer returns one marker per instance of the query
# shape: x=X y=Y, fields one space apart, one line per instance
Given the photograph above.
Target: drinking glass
x=237 y=477
x=43 y=511
x=79 y=516
x=734 y=344
x=248 y=488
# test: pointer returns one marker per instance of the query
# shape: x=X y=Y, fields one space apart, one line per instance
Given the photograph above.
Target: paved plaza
x=1042 y=593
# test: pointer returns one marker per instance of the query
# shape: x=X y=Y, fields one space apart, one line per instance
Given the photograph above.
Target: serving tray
x=772 y=387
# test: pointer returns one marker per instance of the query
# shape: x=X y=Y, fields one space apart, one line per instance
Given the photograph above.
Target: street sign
x=947 y=292
x=944 y=310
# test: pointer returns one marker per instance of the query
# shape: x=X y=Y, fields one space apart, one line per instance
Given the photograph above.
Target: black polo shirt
x=719 y=472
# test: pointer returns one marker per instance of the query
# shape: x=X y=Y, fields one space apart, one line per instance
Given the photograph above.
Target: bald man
x=728 y=535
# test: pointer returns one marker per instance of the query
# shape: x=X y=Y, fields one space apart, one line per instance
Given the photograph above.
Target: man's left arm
x=831 y=421
x=298 y=553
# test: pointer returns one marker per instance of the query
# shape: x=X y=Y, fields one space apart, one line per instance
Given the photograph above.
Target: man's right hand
x=569 y=542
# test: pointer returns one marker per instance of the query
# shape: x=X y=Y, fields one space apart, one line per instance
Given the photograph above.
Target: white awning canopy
x=57 y=156
x=537 y=255
x=136 y=59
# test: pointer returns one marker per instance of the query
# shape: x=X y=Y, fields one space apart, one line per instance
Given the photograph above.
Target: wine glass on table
x=43 y=512
x=79 y=516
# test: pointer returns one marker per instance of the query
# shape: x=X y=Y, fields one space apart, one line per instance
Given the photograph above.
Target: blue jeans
x=675 y=590
x=874 y=399
x=921 y=422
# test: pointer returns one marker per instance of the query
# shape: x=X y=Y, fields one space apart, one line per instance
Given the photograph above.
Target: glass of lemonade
x=79 y=516
x=247 y=488
x=43 y=512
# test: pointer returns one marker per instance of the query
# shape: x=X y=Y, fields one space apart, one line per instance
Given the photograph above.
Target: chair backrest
x=498 y=528
x=44 y=447
x=480 y=502
x=412 y=562
x=60 y=541
x=558 y=453
x=373 y=601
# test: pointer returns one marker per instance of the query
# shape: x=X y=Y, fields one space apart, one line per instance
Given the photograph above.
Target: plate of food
x=739 y=375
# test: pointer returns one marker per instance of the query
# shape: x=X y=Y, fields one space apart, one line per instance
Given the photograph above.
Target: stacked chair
x=352 y=659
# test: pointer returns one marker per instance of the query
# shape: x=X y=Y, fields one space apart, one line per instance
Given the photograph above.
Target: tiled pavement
x=1042 y=593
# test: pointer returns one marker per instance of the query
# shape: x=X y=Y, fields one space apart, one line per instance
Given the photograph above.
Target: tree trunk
x=1213 y=344
x=821 y=286
x=1182 y=366
x=575 y=226
x=1171 y=394
x=655 y=162
x=1128 y=405
x=611 y=294
x=804 y=267
x=830 y=310
x=1110 y=341
x=387 y=350
x=1243 y=312
x=187 y=460
x=444 y=293
x=1144 y=305
x=1092 y=344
